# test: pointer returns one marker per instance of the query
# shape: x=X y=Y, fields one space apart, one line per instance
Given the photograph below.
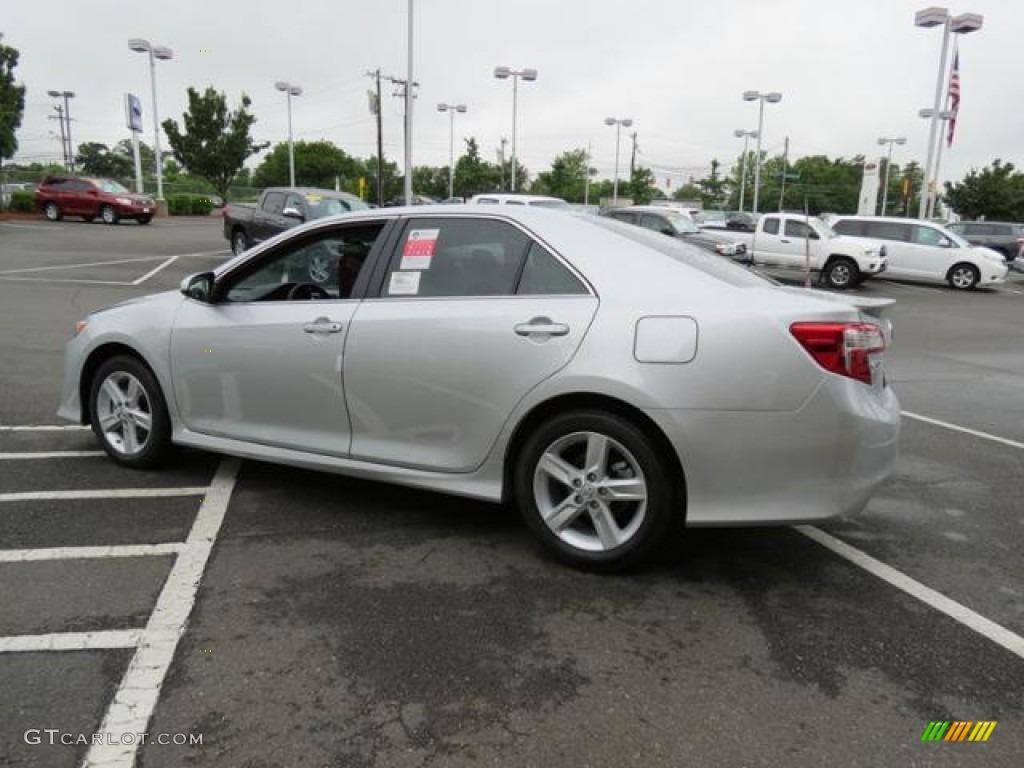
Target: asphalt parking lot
x=336 y=622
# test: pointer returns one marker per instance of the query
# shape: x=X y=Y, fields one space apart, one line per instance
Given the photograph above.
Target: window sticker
x=404 y=284
x=419 y=248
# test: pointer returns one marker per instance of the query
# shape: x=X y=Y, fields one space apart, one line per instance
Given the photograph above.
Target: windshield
x=113 y=187
x=319 y=207
x=678 y=250
x=955 y=237
x=681 y=224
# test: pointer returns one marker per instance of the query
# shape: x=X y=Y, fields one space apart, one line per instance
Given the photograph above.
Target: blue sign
x=133 y=110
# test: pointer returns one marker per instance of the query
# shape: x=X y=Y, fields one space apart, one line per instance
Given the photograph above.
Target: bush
x=23 y=201
x=189 y=205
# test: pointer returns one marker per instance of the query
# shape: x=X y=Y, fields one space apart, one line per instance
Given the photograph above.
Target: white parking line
x=155 y=270
x=50 y=455
x=105 y=493
x=42 y=427
x=139 y=691
x=964 y=430
x=58 y=267
x=985 y=627
x=72 y=641
x=89 y=553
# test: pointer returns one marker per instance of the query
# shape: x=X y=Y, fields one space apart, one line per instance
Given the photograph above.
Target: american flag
x=954 y=97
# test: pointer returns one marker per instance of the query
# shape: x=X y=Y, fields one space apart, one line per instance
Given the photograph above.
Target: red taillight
x=843 y=348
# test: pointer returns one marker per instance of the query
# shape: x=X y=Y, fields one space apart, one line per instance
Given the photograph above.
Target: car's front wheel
x=841 y=274
x=129 y=414
x=963 y=276
x=593 y=488
x=144 y=219
x=109 y=215
x=239 y=242
x=52 y=211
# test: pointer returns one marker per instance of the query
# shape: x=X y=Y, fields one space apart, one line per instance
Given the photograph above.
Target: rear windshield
x=709 y=263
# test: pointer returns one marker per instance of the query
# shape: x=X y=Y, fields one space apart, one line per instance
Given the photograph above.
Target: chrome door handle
x=541 y=326
x=784 y=241
x=322 y=325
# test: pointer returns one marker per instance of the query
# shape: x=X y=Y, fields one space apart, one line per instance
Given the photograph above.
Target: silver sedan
x=612 y=382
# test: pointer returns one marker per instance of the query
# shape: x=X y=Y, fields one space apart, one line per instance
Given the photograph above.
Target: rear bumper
x=823 y=460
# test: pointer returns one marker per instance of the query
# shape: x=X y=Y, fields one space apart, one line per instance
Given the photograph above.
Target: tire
x=841 y=273
x=239 y=242
x=963 y=276
x=550 y=482
x=144 y=219
x=88 y=218
x=52 y=211
x=128 y=413
x=109 y=215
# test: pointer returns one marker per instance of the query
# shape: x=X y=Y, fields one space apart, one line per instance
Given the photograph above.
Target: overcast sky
x=850 y=71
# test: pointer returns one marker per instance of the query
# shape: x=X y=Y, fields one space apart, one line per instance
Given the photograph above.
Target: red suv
x=60 y=196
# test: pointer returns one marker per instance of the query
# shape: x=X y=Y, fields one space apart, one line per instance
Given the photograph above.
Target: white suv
x=924 y=250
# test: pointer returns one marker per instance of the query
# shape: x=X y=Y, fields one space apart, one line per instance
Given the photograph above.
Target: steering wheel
x=301 y=291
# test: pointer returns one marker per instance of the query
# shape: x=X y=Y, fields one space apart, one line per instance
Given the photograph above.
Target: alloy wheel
x=125 y=413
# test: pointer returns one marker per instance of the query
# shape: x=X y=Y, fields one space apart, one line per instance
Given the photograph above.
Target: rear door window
x=545 y=275
x=887 y=230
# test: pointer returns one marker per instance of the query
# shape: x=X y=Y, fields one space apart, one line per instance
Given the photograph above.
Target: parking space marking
x=139 y=691
x=105 y=493
x=155 y=270
x=58 y=267
x=89 y=553
x=50 y=280
x=103 y=640
x=997 y=633
x=42 y=427
x=964 y=430
x=40 y=227
x=50 y=455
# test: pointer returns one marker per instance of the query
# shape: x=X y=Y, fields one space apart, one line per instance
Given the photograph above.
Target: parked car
x=504 y=352
x=508 y=198
x=790 y=241
x=281 y=208
x=111 y=201
x=675 y=224
x=1005 y=237
x=924 y=250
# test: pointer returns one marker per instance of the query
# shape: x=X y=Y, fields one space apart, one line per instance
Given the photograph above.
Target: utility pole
x=63 y=136
x=785 y=170
x=632 y=159
x=407 y=95
x=501 y=163
x=380 y=137
x=586 y=182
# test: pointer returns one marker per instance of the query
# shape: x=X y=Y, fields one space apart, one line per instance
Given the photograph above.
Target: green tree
x=713 y=188
x=96 y=159
x=215 y=142
x=317 y=164
x=996 y=193
x=12 y=102
x=642 y=186
x=567 y=177
x=688 y=191
x=146 y=156
x=473 y=175
x=430 y=181
x=392 y=182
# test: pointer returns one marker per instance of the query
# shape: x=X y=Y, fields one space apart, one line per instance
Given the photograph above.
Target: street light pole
x=291 y=90
x=746 y=136
x=961 y=25
x=410 y=83
x=529 y=75
x=888 y=163
x=942 y=117
x=771 y=98
x=618 y=131
x=451 y=109
x=163 y=54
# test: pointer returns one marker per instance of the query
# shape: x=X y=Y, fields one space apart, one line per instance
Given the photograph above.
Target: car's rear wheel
x=144 y=219
x=963 y=277
x=109 y=215
x=239 y=242
x=52 y=211
x=594 y=489
x=129 y=414
x=841 y=274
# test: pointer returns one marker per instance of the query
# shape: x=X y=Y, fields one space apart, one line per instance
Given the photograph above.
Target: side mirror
x=293 y=213
x=945 y=242
x=668 y=231
x=814 y=235
x=199 y=287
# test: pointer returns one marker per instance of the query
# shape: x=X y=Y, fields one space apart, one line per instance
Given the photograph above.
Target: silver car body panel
x=763 y=434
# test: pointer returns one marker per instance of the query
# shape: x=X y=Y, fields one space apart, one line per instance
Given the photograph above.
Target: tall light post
x=451 y=109
x=739 y=133
x=290 y=90
x=503 y=73
x=163 y=54
x=410 y=84
x=888 y=163
x=771 y=98
x=942 y=116
x=959 y=25
x=618 y=132
x=67 y=118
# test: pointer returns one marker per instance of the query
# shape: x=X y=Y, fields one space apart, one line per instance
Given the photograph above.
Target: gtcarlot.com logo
x=57 y=736
x=958 y=730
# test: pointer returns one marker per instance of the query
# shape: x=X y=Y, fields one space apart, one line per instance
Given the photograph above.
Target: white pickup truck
x=791 y=241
